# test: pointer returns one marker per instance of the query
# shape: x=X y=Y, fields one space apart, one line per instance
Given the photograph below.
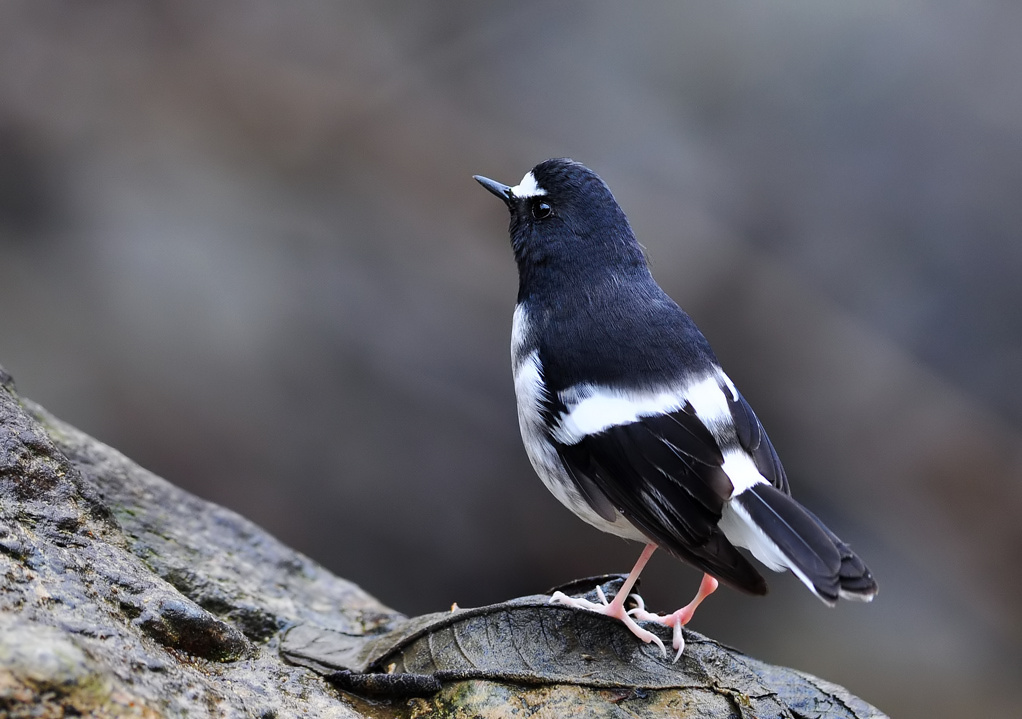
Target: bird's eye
x=541 y=210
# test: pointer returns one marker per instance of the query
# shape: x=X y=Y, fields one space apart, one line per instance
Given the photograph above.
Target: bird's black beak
x=501 y=191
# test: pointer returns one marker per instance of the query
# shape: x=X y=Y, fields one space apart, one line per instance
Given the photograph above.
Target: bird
x=630 y=421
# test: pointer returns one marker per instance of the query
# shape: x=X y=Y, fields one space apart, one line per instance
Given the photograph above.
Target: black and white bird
x=628 y=418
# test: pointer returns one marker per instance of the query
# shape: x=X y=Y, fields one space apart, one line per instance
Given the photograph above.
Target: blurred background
x=240 y=242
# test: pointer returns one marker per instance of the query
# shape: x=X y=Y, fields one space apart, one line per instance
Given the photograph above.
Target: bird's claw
x=610 y=609
x=675 y=621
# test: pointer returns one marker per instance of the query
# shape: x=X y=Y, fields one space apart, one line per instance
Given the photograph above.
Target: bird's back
x=627 y=334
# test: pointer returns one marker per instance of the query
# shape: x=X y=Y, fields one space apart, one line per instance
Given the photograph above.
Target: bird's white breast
x=531 y=392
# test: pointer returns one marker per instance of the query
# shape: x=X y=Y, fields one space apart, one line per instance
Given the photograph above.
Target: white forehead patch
x=527 y=187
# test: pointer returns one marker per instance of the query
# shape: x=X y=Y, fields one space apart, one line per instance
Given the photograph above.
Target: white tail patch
x=741 y=531
x=739 y=468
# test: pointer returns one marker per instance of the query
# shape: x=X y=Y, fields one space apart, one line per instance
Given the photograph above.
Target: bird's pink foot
x=676 y=620
x=615 y=609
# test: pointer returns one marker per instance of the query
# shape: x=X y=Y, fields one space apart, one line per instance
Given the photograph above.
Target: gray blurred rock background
x=240 y=242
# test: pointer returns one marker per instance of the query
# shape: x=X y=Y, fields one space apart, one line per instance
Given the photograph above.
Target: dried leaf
x=528 y=641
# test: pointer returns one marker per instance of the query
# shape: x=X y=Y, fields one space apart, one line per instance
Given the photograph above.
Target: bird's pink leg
x=680 y=618
x=616 y=607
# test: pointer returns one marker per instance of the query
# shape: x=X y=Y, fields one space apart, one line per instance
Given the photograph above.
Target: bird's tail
x=783 y=534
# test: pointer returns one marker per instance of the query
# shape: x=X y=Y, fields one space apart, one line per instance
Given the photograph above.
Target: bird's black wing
x=753 y=439
x=663 y=473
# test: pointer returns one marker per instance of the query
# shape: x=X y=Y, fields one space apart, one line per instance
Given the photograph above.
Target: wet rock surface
x=122 y=595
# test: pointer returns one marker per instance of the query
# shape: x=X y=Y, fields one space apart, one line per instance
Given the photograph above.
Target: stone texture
x=121 y=595
x=124 y=596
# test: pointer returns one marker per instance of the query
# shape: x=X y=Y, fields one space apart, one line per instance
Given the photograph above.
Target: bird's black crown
x=567 y=228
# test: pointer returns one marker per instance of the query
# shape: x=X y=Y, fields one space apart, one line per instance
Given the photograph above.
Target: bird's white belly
x=529 y=391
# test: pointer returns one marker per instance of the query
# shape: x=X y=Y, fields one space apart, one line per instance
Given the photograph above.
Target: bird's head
x=566 y=222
